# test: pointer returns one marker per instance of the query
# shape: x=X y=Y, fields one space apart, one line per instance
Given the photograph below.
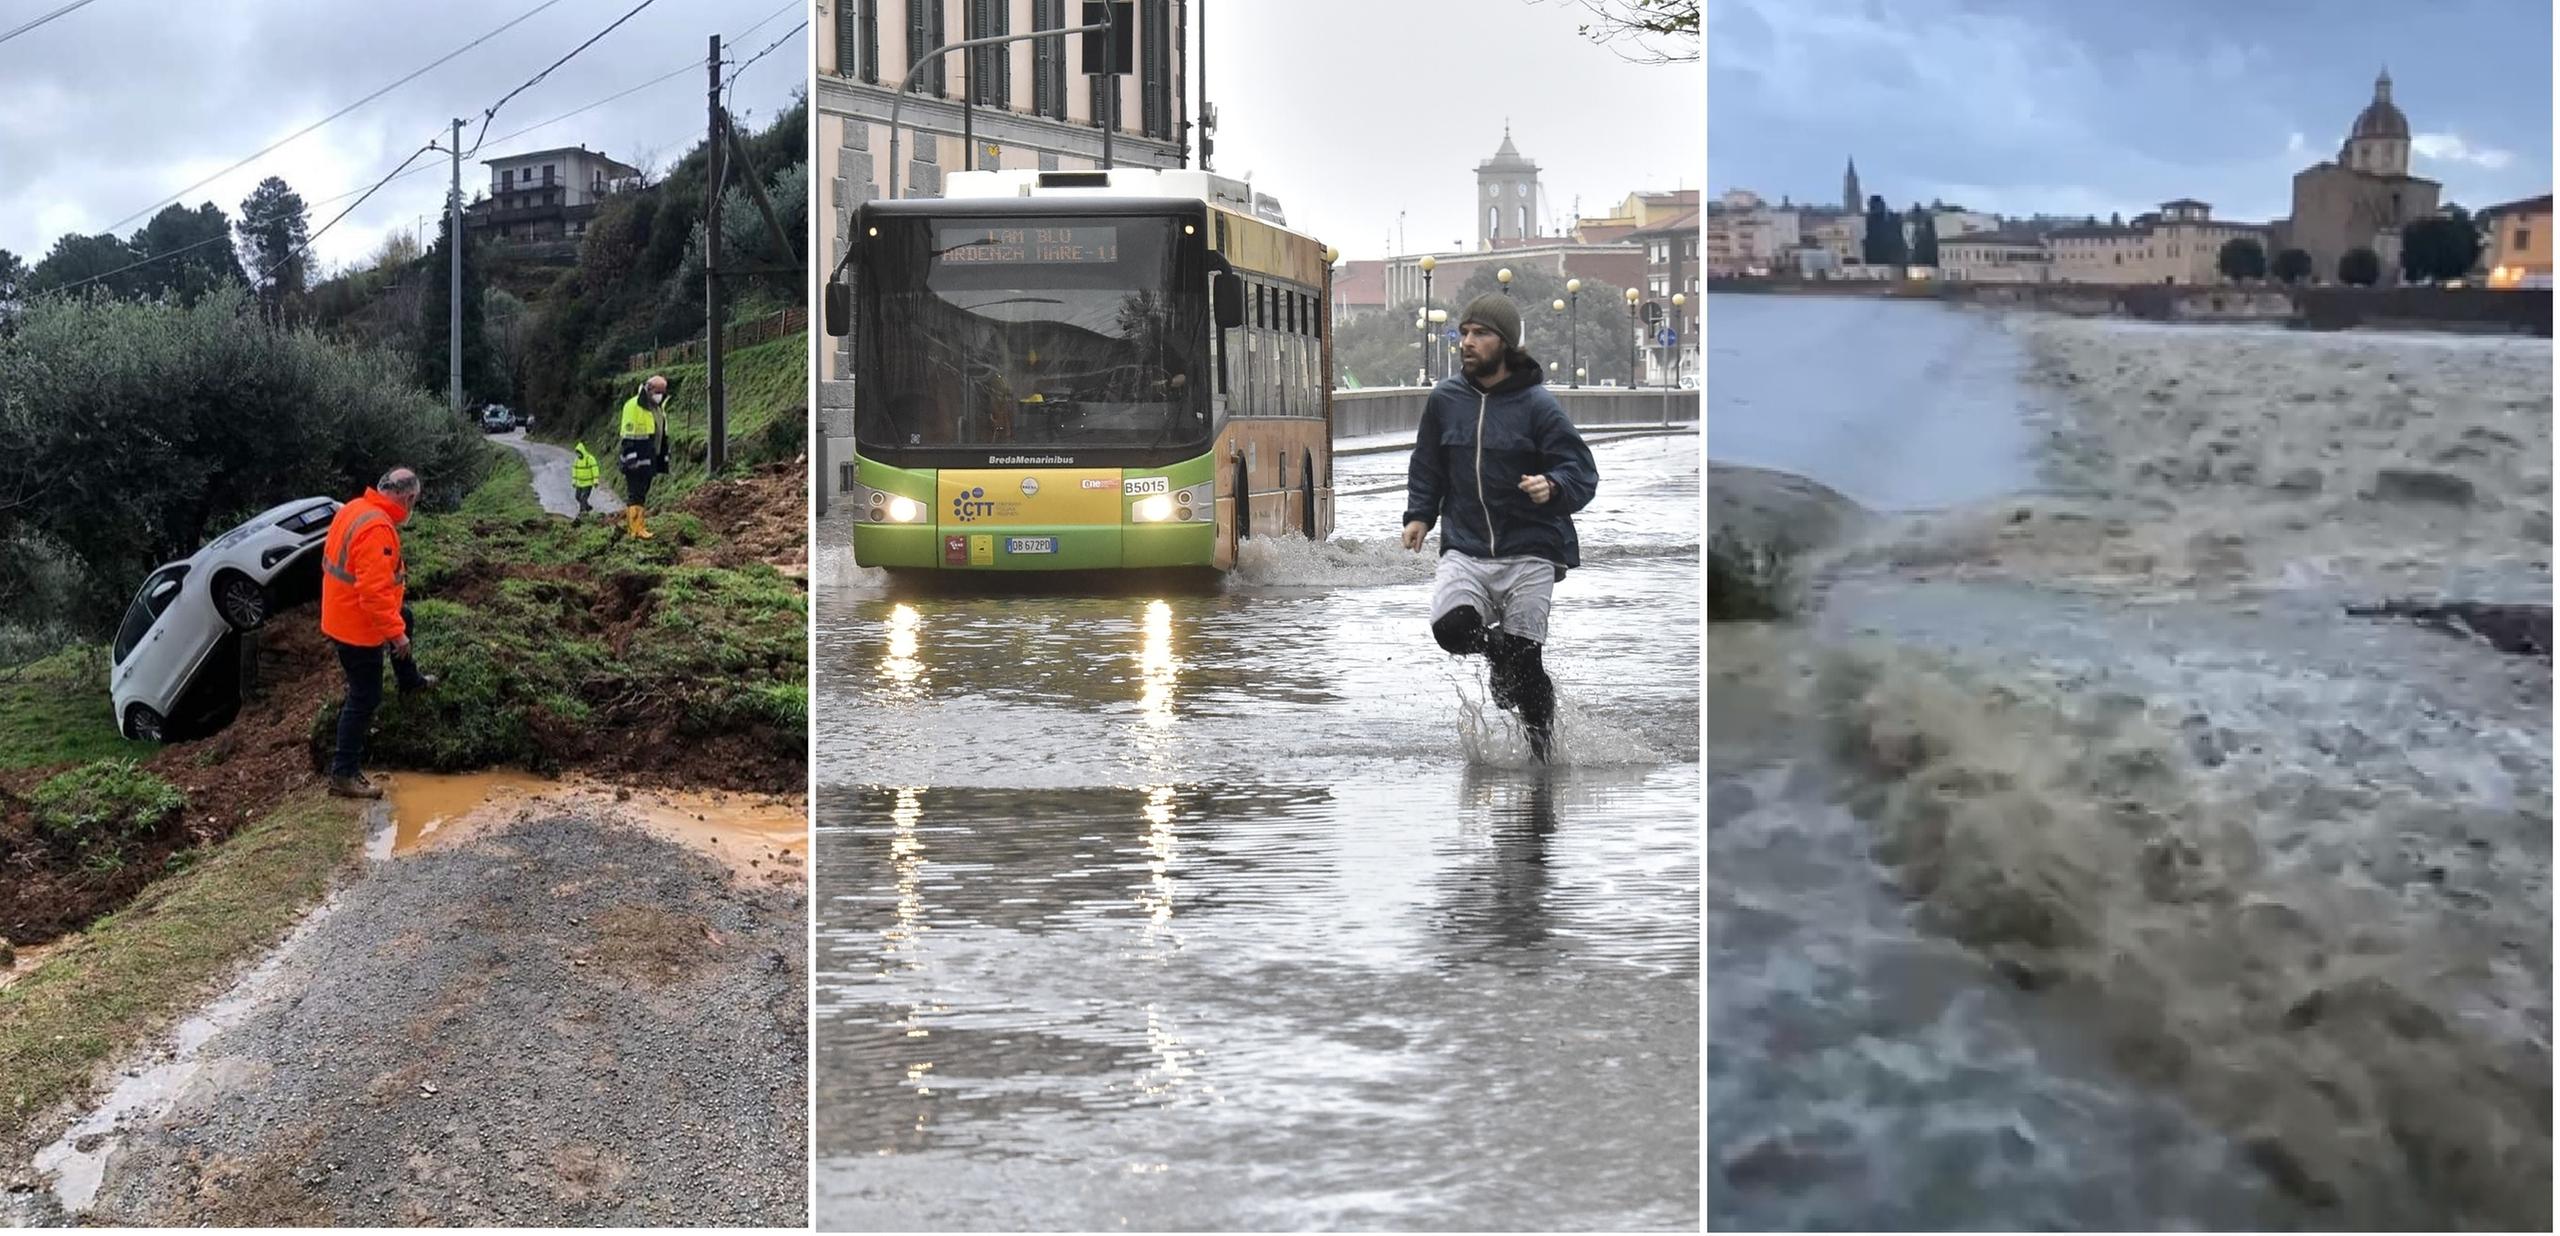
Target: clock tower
x=1507 y=202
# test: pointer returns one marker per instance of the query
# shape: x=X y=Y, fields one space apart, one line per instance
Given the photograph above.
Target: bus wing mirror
x=1227 y=290
x=839 y=308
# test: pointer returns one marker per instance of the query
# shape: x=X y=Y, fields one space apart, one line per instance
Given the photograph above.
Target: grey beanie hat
x=1495 y=312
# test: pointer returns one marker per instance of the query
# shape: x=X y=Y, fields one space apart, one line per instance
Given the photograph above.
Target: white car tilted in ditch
x=177 y=654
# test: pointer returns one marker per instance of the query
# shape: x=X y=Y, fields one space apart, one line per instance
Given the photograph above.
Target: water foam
x=2374 y=1048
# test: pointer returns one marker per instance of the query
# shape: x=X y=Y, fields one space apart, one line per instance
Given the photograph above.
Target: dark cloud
x=120 y=105
x=2020 y=105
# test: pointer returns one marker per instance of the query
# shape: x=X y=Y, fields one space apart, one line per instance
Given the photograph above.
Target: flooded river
x=2080 y=862
x=1241 y=909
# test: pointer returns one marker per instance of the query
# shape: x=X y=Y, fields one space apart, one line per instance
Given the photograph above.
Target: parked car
x=176 y=655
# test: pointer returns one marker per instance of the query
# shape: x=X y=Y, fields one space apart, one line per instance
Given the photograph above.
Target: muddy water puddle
x=755 y=835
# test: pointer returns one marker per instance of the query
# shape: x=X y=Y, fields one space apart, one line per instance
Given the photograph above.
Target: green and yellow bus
x=1084 y=371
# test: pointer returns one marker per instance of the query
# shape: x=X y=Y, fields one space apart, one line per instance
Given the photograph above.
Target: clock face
x=1522 y=190
x=1493 y=190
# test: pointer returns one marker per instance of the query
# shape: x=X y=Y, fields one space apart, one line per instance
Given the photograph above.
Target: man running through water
x=1502 y=470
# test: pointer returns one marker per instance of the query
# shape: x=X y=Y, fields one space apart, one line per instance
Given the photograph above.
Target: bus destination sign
x=1038 y=246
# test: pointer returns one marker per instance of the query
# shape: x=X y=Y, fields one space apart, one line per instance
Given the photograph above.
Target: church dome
x=2381 y=118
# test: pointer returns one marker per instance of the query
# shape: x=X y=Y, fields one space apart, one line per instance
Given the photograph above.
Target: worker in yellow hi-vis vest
x=583 y=471
x=643 y=453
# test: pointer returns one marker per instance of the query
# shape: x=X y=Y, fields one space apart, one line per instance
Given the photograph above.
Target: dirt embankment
x=230 y=780
x=672 y=663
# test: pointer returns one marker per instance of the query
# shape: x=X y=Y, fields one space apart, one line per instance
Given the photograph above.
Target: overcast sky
x=2020 y=106
x=123 y=103
x=1351 y=111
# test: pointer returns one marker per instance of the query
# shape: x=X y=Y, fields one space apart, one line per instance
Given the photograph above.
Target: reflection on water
x=901 y=671
x=1190 y=909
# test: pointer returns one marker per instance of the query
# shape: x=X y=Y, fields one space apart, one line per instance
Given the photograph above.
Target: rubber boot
x=640 y=523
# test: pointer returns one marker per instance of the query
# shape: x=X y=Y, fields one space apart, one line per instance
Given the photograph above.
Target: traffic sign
x=1668 y=338
x=1453 y=335
x=1652 y=312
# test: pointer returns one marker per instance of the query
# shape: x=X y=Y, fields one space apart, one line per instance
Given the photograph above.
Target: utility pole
x=453 y=243
x=715 y=398
x=1200 y=86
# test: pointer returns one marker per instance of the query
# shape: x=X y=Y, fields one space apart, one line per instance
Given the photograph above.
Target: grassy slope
x=521 y=613
x=507 y=491
x=55 y=712
x=138 y=969
x=766 y=382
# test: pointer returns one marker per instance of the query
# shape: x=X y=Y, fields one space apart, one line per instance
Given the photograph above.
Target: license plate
x=1031 y=545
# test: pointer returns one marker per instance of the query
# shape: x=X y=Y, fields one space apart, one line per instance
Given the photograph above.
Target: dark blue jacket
x=1472 y=451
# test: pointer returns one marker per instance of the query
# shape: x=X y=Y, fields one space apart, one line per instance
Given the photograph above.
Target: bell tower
x=1507 y=198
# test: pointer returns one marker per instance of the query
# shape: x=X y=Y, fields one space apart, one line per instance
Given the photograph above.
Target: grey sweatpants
x=1511 y=593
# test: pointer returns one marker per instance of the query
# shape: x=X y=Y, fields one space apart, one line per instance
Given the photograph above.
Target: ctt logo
x=971 y=504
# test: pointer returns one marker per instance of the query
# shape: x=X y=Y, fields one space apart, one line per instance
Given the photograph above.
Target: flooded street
x=1242 y=909
x=2080 y=862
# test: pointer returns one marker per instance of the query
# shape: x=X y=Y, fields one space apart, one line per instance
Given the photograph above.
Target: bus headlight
x=1154 y=510
x=905 y=510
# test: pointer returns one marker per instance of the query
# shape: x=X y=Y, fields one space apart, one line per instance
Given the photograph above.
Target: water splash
x=1296 y=562
x=1493 y=738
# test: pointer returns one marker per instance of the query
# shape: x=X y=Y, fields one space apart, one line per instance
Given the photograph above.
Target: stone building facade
x=2364 y=197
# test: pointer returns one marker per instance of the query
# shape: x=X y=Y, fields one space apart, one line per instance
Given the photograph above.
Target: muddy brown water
x=1239 y=909
x=2069 y=874
x=767 y=835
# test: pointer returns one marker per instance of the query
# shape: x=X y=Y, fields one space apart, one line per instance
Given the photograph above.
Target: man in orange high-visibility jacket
x=364 y=584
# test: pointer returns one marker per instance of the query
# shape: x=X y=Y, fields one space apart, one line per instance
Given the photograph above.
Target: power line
x=75 y=4
x=298 y=133
x=735 y=73
x=308 y=241
x=688 y=67
x=766 y=19
x=492 y=113
x=156 y=257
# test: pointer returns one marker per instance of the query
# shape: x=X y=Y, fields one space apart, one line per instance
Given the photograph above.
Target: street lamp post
x=1679 y=332
x=1573 y=296
x=1437 y=317
x=1428 y=264
x=1503 y=277
x=1635 y=341
x=1558 y=305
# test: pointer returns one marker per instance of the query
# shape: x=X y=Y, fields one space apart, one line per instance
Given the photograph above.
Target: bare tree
x=1642 y=31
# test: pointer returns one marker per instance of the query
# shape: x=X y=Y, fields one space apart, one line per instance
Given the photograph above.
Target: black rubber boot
x=1520 y=674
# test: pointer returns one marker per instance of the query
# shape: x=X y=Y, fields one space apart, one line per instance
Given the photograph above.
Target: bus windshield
x=1053 y=333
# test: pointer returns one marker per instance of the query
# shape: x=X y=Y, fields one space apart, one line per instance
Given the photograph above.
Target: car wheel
x=241 y=601
x=143 y=722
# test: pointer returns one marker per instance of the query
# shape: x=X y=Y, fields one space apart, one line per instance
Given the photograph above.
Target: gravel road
x=551 y=485
x=561 y=1020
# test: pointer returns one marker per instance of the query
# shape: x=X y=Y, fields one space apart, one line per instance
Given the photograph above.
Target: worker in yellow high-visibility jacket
x=582 y=477
x=643 y=454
